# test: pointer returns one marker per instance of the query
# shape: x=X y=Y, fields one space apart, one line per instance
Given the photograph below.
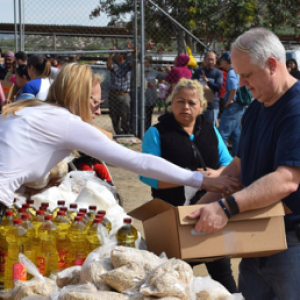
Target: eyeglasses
x=97 y=102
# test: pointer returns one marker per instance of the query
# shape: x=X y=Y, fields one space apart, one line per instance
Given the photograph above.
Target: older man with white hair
x=267 y=162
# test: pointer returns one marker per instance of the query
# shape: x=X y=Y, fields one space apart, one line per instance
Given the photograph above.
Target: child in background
x=162 y=93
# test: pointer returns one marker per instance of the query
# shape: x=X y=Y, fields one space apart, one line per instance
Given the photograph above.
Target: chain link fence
x=86 y=31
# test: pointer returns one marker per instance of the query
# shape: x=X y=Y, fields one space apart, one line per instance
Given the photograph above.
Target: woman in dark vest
x=185 y=138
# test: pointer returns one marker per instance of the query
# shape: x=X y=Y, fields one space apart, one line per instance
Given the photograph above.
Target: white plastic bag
x=214 y=289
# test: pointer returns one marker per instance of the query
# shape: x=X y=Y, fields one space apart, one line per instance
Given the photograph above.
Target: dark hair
x=41 y=65
x=209 y=51
x=22 y=70
x=295 y=62
x=21 y=55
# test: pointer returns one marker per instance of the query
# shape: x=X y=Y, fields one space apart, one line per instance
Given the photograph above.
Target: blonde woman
x=36 y=135
x=185 y=138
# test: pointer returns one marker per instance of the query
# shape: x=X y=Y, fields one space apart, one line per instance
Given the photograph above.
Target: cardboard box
x=167 y=229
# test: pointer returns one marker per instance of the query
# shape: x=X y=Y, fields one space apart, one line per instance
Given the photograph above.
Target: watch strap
x=233 y=206
x=223 y=206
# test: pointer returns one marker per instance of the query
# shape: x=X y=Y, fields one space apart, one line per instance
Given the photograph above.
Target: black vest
x=177 y=148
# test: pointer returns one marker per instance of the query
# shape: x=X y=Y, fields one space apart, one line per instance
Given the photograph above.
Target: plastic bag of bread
x=69 y=276
x=128 y=277
x=97 y=263
x=39 y=285
x=80 y=288
x=205 y=288
x=170 y=279
x=36 y=297
x=6 y=294
x=75 y=295
x=122 y=256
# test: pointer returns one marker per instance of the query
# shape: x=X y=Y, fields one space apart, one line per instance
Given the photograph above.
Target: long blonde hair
x=71 y=89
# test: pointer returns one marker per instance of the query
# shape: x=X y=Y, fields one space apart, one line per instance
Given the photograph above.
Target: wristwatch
x=233 y=206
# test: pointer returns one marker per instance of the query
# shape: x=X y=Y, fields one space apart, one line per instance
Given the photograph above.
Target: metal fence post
x=143 y=102
x=54 y=41
x=16 y=28
x=21 y=25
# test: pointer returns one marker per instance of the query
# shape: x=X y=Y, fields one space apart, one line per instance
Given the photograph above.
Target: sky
x=59 y=12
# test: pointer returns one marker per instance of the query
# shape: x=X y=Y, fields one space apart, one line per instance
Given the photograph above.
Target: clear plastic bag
x=121 y=256
x=97 y=263
x=170 y=279
x=39 y=285
x=69 y=276
x=205 y=288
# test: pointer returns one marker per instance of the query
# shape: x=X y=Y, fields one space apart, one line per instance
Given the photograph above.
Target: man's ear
x=272 y=64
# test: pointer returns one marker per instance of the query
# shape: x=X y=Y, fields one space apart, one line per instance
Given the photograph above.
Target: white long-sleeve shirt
x=38 y=138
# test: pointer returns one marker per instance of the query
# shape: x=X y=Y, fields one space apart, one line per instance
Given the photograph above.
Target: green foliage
x=219 y=20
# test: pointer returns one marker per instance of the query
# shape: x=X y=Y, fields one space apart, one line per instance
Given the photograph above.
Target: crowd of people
x=185 y=159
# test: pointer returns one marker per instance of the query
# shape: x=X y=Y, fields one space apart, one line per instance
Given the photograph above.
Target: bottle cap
x=101 y=212
x=30 y=201
x=25 y=205
x=97 y=220
x=22 y=210
x=17 y=221
x=9 y=213
x=48 y=217
x=92 y=207
x=25 y=216
x=61 y=213
x=98 y=216
x=61 y=202
x=80 y=214
x=65 y=209
x=40 y=212
x=78 y=218
x=127 y=220
x=43 y=208
x=73 y=205
x=84 y=210
x=45 y=204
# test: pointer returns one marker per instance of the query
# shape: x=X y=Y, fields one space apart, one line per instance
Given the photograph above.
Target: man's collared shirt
x=120 y=77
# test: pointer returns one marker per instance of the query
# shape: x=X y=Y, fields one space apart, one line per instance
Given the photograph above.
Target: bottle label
x=19 y=272
x=3 y=256
x=41 y=265
x=131 y=245
x=79 y=261
x=62 y=259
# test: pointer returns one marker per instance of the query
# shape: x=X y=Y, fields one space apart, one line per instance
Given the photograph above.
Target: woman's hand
x=224 y=184
x=211 y=172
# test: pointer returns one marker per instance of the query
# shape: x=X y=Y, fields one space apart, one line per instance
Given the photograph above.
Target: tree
x=211 y=20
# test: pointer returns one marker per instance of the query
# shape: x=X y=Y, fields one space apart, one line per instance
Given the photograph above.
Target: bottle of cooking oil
x=67 y=216
x=73 y=211
x=15 y=208
x=78 y=247
x=16 y=238
x=60 y=203
x=127 y=234
x=47 y=256
x=63 y=241
x=20 y=212
x=37 y=222
x=105 y=222
x=84 y=219
x=29 y=250
x=92 y=211
x=27 y=209
x=92 y=236
x=47 y=210
x=32 y=209
x=7 y=223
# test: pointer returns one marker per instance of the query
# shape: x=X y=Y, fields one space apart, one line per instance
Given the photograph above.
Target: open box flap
x=150 y=209
x=274 y=210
